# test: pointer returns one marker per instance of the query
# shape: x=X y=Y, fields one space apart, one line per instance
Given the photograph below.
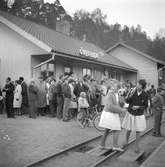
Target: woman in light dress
x=17 y=97
x=110 y=118
x=103 y=93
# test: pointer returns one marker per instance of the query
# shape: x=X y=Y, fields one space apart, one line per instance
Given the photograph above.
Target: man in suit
x=67 y=98
x=59 y=96
x=9 y=89
x=157 y=102
x=80 y=87
x=25 y=101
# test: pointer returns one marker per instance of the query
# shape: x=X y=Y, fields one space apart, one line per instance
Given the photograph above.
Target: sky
x=150 y=14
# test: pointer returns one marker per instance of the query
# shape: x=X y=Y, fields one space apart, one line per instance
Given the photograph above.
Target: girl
x=110 y=118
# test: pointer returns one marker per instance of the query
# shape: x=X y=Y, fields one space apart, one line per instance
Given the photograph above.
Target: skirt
x=110 y=120
x=134 y=123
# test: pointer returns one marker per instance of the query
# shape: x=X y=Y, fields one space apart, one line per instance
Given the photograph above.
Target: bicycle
x=92 y=116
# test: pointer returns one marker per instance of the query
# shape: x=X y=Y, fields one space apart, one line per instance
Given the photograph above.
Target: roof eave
x=94 y=61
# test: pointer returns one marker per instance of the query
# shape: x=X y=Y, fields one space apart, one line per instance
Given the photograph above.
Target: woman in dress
x=17 y=97
x=134 y=119
x=110 y=118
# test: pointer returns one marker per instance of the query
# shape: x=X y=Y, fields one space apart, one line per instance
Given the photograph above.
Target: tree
x=36 y=10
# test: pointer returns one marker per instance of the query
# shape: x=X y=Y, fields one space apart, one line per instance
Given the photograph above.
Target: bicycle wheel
x=96 y=120
x=79 y=119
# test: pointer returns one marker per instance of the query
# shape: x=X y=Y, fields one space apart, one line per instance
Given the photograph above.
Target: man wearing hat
x=157 y=102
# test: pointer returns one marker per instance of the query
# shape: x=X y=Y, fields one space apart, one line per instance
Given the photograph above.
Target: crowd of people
x=56 y=98
x=69 y=95
x=60 y=98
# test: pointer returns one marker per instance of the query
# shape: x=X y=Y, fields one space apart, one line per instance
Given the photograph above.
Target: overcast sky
x=150 y=14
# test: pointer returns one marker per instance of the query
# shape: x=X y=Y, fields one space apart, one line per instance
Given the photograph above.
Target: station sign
x=88 y=53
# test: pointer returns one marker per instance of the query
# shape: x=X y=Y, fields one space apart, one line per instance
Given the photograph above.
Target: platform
x=130 y=155
x=157 y=158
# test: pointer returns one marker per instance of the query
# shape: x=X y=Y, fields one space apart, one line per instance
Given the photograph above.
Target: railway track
x=85 y=154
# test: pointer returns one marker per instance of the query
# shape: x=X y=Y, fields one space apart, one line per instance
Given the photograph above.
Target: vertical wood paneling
x=15 y=54
x=147 y=69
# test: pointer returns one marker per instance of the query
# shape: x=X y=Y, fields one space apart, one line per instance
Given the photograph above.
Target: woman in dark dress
x=1 y=102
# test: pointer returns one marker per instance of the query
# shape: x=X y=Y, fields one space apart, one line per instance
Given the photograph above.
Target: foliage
x=36 y=10
x=91 y=27
x=96 y=30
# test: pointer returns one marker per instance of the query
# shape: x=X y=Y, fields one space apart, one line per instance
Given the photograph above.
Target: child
x=82 y=108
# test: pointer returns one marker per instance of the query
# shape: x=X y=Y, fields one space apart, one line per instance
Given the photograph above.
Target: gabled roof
x=49 y=40
x=134 y=50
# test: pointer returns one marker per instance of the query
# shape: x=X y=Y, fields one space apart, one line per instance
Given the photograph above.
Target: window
x=118 y=76
x=43 y=67
x=87 y=71
x=67 y=69
x=51 y=67
x=160 y=74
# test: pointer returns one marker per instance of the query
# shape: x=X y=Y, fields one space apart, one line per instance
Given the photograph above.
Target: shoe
x=105 y=148
x=117 y=149
x=158 y=135
x=65 y=120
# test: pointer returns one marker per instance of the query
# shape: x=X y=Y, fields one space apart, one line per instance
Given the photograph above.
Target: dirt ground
x=24 y=140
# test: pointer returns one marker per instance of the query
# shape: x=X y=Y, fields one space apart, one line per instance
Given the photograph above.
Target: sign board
x=88 y=53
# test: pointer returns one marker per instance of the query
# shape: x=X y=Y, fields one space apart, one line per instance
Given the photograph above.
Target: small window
x=112 y=74
x=87 y=71
x=51 y=67
x=67 y=69
x=160 y=74
x=118 y=76
x=43 y=67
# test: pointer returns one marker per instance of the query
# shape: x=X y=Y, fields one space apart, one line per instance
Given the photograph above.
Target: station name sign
x=89 y=53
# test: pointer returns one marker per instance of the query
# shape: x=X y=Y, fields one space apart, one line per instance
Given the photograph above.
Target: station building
x=28 y=49
x=148 y=67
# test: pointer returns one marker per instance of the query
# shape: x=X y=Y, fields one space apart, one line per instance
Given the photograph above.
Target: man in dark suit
x=9 y=89
x=80 y=87
x=59 y=97
x=25 y=102
x=157 y=102
x=67 y=98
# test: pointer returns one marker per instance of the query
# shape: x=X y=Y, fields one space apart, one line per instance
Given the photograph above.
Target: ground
x=24 y=140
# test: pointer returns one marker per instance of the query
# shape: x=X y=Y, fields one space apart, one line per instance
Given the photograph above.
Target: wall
x=147 y=69
x=15 y=54
x=97 y=70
